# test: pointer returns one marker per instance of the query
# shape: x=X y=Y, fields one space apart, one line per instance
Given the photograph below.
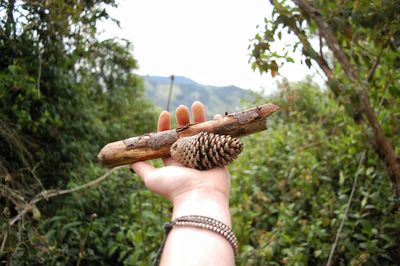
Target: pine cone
x=206 y=150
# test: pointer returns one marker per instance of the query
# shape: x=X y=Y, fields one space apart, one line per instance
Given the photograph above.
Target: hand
x=190 y=190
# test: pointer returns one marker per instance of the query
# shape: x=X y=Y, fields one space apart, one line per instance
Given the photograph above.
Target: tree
x=293 y=183
x=63 y=95
x=61 y=88
x=358 y=52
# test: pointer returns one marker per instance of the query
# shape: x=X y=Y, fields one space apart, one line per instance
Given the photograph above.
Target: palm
x=174 y=179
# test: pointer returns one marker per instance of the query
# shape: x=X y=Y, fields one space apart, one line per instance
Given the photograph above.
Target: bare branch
x=33 y=173
x=306 y=44
x=346 y=212
x=6 y=211
x=46 y=194
x=15 y=197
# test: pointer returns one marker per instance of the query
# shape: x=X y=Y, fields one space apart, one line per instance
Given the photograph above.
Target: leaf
x=36 y=213
x=386 y=256
x=364 y=201
x=317 y=253
x=342 y=178
x=370 y=170
x=308 y=62
x=360 y=237
x=289 y=60
x=325 y=178
x=112 y=250
x=394 y=91
x=334 y=85
x=274 y=68
x=120 y=236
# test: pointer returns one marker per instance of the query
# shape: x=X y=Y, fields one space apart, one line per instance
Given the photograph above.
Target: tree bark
x=10 y=23
x=382 y=143
x=157 y=145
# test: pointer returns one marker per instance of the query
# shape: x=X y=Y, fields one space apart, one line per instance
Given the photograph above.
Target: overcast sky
x=206 y=40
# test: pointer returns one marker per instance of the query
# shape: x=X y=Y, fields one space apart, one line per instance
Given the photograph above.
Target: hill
x=186 y=91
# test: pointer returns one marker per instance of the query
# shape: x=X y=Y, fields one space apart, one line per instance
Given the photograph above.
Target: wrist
x=205 y=202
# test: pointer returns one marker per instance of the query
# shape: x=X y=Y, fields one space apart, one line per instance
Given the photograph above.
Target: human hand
x=190 y=190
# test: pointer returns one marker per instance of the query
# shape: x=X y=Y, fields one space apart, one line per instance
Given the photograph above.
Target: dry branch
x=46 y=194
x=346 y=211
x=157 y=145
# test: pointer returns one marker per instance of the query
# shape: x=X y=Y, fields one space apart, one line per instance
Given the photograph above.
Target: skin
x=191 y=192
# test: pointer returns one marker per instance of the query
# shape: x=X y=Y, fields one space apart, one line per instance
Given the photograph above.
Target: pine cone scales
x=206 y=150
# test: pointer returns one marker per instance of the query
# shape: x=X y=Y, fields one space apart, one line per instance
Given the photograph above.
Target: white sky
x=206 y=41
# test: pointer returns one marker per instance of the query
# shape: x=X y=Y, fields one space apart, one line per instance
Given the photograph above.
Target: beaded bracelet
x=199 y=222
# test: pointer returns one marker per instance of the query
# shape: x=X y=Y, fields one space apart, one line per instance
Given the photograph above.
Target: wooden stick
x=157 y=145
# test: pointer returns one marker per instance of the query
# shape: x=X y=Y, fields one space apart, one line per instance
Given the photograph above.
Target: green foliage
x=121 y=219
x=292 y=183
x=64 y=94
x=64 y=90
x=368 y=33
x=289 y=191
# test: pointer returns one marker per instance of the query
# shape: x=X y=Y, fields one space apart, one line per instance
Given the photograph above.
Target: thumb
x=151 y=178
x=143 y=170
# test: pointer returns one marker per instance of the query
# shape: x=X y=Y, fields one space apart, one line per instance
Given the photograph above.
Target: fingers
x=143 y=170
x=198 y=112
x=182 y=116
x=164 y=121
x=150 y=176
x=182 y=119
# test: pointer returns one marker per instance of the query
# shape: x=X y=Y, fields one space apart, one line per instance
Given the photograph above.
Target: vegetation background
x=318 y=187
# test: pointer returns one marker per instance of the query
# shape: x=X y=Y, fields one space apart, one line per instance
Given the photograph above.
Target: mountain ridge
x=217 y=99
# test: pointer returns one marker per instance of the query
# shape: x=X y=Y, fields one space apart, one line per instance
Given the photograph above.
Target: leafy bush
x=63 y=94
x=117 y=223
x=292 y=184
x=289 y=191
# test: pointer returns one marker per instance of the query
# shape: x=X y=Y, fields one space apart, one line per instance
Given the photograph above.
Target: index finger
x=198 y=112
x=164 y=123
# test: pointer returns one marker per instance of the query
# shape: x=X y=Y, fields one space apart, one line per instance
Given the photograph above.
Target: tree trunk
x=382 y=143
x=10 y=23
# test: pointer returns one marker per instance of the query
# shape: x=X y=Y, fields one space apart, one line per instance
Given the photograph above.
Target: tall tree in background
x=60 y=88
x=356 y=45
x=63 y=95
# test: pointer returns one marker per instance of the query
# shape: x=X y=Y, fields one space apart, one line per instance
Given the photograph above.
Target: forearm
x=195 y=246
